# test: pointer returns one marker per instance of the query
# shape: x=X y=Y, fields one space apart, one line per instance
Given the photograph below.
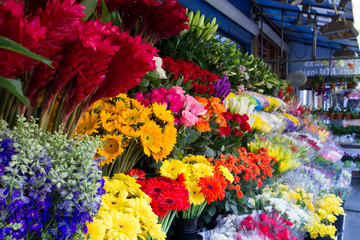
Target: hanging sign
x=328 y=68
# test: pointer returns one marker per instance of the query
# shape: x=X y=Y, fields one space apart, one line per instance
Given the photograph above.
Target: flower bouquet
x=205 y=181
x=168 y=197
x=86 y=59
x=125 y=212
x=50 y=185
x=130 y=131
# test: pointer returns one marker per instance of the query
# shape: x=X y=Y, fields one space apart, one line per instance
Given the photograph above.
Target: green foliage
x=339 y=129
x=90 y=6
x=14 y=86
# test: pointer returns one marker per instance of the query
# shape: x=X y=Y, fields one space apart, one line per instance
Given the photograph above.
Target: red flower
x=137 y=174
x=228 y=115
x=133 y=60
x=224 y=131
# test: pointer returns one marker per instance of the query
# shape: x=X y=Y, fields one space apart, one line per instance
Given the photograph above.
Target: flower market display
x=126 y=120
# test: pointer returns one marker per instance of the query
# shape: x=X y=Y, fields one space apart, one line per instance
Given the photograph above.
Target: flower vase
x=358 y=164
x=316 y=86
x=332 y=85
x=347 y=163
x=186 y=228
x=339 y=223
x=331 y=115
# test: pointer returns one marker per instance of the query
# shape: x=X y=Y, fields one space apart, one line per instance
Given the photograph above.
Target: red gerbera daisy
x=137 y=174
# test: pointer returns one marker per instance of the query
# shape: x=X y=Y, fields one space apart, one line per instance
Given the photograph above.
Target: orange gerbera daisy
x=211 y=188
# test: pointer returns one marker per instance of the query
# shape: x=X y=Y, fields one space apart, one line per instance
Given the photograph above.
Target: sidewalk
x=352 y=210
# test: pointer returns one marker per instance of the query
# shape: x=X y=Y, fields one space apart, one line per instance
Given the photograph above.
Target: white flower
x=158 y=63
x=242 y=68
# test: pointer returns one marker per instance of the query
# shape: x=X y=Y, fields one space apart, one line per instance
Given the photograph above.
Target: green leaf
x=234 y=209
x=212 y=210
x=14 y=86
x=105 y=16
x=16 y=47
x=188 y=85
x=90 y=6
x=144 y=83
x=209 y=152
x=192 y=137
x=227 y=206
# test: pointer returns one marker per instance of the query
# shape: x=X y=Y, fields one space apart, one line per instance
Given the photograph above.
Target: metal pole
x=314 y=40
x=262 y=34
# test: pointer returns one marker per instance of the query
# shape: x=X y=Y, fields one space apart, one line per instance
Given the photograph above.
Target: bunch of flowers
x=301 y=111
x=264 y=102
x=288 y=157
x=287 y=210
x=185 y=108
x=258 y=226
x=125 y=212
x=222 y=88
x=249 y=171
x=240 y=104
x=310 y=179
x=153 y=20
x=86 y=59
x=130 y=131
x=205 y=181
x=310 y=140
x=291 y=123
x=43 y=193
x=325 y=214
x=168 y=197
x=265 y=226
x=266 y=122
x=200 y=81
x=275 y=104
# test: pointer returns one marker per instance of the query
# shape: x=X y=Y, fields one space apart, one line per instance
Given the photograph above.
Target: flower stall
x=130 y=120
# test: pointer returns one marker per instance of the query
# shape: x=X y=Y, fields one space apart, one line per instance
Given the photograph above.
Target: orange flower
x=216 y=105
x=240 y=194
x=259 y=182
x=236 y=179
x=211 y=188
x=237 y=187
x=202 y=125
x=221 y=121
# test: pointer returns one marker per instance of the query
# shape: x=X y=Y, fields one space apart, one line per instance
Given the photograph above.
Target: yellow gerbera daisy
x=172 y=168
x=111 y=149
x=154 y=230
x=110 y=202
x=131 y=117
x=114 y=186
x=131 y=185
x=96 y=229
x=195 y=159
x=226 y=173
x=170 y=134
x=162 y=113
x=121 y=226
x=195 y=196
x=137 y=104
x=151 y=138
x=202 y=170
x=129 y=131
x=141 y=209
x=88 y=124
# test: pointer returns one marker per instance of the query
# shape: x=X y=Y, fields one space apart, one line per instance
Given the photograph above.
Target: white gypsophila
x=268 y=209
x=220 y=236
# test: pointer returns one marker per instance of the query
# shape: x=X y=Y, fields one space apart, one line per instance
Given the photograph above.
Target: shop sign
x=328 y=68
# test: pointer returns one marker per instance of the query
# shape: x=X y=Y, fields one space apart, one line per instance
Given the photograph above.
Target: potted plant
x=318 y=81
x=355 y=115
x=342 y=82
x=331 y=114
x=356 y=160
x=352 y=82
x=339 y=115
x=347 y=113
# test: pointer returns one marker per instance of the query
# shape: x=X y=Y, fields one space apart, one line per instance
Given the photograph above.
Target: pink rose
x=193 y=106
x=188 y=119
x=178 y=90
x=157 y=95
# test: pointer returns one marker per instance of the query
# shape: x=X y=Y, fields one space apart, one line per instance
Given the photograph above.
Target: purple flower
x=222 y=88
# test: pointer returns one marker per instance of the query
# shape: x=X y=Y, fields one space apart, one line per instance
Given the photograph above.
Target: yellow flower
x=142 y=210
x=124 y=98
x=151 y=138
x=96 y=229
x=137 y=105
x=88 y=124
x=154 y=230
x=129 y=131
x=121 y=226
x=169 y=134
x=226 y=173
x=160 y=155
x=162 y=113
x=131 y=185
x=195 y=159
x=107 y=121
x=110 y=202
x=172 y=168
x=111 y=149
x=95 y=105
x=131 y=117
x=195 y=196
x=201 y=170
x=113 y=186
